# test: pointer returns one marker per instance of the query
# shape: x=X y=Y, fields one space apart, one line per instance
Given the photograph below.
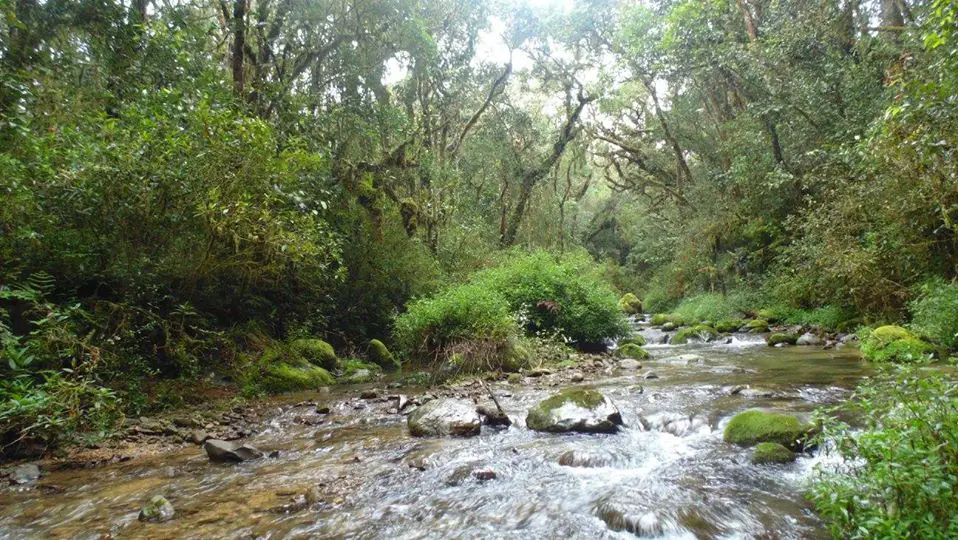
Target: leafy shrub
x=899 y=472
x=714 y=307
x=630 y=304
x=935 y=312
x=894 y=344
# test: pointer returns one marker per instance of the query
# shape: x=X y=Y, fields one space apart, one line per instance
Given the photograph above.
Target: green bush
x=894 y=344
x=714 y=307
x=935 y=312
x=899 y=477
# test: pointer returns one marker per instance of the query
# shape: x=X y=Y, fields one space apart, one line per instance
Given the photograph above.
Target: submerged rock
x=770 y=452
x=683 y=359
x=443 y=417
x=575 y=409
x=752 y=427
x=230 y=451
x=158 y=509
x=582 y=458
x=25 y=474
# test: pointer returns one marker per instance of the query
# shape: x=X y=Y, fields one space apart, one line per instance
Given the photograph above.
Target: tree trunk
x=239 y=45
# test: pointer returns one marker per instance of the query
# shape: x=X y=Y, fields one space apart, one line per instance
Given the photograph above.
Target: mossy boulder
x=631 y=350
x=284 y=377
x=353 y=371
x=634 y=339
x=729 y=325
x=699 y=332
x=894 y=344
x=757 y=326
x=777 y=338
x=770 y=452
x=314 y=351
x=630 y=304
x=158 y=509
x=575 y=409
x=380 y=355
x=752 y=427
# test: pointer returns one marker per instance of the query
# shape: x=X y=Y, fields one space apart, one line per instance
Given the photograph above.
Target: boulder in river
x=697 y=333
x=752 y=427
x=158 y=509
x=575 y=409
x=629 y=364
x=809 y=339
x=442 y=417
x=770 y=452
x=25 y=473
x=493 y=416
x=781 y=338
x=230 y=451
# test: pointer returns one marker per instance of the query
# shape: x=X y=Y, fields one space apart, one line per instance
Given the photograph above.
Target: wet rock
x=186 y=422
x=402 y=402
x=749 y=392
x=369 y=394
x=199 y=436
x=629 y=364
x=157 y=510
x=322 y=409
x=639 y=521
x=583 y=458
x=752 y=427
x=492 y=416
x=809 y=339
x=576 y=377
x=313 y=495
x=770 y=452
x=538 y=372
x=575 y=409
x=777 y=339
x=484 y=475
x=25 y=474
x=651 y=375
x=230 y=452
x=677 y=424
x=445 y=416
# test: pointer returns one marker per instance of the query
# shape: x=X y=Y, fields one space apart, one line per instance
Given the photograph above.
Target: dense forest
x=242 y=197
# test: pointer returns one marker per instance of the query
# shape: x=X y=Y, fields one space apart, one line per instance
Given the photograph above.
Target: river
x=667 y=474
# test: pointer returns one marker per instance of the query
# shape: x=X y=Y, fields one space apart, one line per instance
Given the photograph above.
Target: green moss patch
x=634 y=339
x=752 y=427
x=661 y=318
x=353 y=371
x=282 y=377
x=700 y=332
x=729 y=325
x=314 y=351
x=770 y=452
x=630 y=304
x=894 y=344
x=631 y=350
x=757 y=326
x=775 y=339
x=380 y=355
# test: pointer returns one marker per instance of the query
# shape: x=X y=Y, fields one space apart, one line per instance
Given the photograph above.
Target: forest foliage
x=189 y=185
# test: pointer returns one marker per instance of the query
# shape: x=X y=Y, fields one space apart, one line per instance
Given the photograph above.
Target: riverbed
x=668 y=473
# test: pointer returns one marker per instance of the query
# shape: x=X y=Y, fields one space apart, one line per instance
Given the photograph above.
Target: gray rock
x=199 y=436
x=577 y=377
x=575 y=409
x=629 y=364
x=230 y=452
x=186 y=422
x=158 y=509
x=445 y=416
x=651 y=375
x=25 y=474
x=492 y=416
x=809 y=339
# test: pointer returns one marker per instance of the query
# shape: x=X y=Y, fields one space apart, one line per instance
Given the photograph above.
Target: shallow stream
x=669 y=476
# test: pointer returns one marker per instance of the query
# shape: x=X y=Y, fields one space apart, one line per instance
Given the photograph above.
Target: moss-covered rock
x=894 y=344
x=158 y=509
x=729 y=325
x=775 y=339
x=634 y=339
x=631 y=350
x=314 y=351
x=575 y=409
x=752 y=427
x=283 y=377
x=630 y=304
x=353 y=371
x=698 y=332
x=770 y=452
x=757 y=326
x=381 y=356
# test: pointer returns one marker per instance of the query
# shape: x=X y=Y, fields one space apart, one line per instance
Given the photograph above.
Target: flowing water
x=667 y=474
